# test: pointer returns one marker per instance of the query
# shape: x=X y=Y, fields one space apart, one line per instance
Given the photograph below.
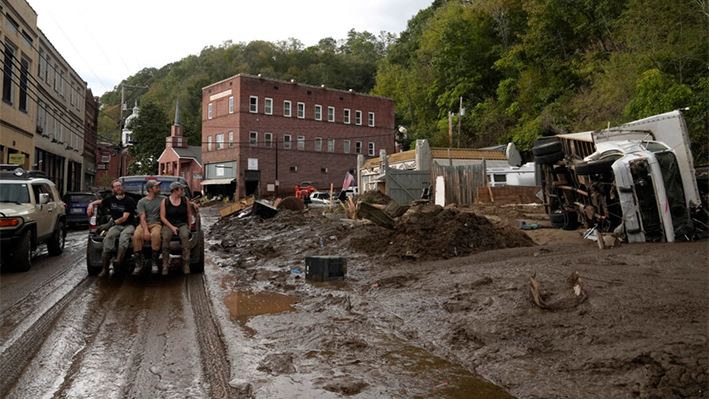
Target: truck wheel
x=565 y=220
x=595 y=167
x=55 y=246
x=547 y=148
x=22 y=256
x=549 y=159
x=198 y=266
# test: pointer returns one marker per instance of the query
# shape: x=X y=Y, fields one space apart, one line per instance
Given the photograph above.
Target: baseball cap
x=176 y=185
x=151 y=183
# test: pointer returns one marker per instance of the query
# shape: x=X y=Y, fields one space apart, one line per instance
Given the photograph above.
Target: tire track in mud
x=15 y=358
x=215 y=364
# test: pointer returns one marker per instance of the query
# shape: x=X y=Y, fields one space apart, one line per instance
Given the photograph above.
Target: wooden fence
x=461 y=182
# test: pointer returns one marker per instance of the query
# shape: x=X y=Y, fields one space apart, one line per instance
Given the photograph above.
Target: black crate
x=321 y=268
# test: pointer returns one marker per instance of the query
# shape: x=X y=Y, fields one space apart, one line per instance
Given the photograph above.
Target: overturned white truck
x=637 y=179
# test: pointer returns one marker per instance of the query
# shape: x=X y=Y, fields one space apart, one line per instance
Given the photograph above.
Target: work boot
x=139 y=263
x=165 y=261
x=118 y=264
x=154 y=260
x=105 y=261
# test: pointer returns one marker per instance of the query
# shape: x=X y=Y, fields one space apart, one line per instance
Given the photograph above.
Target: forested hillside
x=524 y=69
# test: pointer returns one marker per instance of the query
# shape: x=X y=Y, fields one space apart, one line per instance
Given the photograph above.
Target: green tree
x=150 y=128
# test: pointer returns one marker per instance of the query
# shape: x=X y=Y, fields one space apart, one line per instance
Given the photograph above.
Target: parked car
x=76 y=204
x=31 y=213
x=135 y=187
x=322 y=198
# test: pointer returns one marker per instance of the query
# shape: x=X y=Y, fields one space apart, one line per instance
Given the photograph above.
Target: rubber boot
x=118 y=264
x=139 y=263
x=185 y=259
x=154 y=259
x=165 y=261
x=105 y=261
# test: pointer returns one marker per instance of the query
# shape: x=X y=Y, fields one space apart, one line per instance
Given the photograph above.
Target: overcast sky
x=105 y=41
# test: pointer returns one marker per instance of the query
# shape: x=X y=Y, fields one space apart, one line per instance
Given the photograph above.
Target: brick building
x=264 y=136
x=180 y=159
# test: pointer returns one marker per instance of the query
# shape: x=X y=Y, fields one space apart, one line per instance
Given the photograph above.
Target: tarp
x=218 y=181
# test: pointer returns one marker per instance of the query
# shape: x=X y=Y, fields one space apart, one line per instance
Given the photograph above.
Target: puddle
x=448 y=380
x=244 y=304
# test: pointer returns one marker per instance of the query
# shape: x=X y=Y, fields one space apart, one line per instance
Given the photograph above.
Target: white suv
x=31 y=213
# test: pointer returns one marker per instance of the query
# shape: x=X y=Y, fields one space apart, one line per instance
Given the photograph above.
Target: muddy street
x=441 y=307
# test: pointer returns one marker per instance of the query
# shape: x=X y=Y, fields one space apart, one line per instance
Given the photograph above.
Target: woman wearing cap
x=176 y=215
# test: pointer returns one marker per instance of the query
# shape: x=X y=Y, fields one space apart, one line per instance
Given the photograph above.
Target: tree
x=150 y=128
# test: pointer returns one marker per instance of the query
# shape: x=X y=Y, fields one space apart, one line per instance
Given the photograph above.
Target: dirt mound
x=373 y=197
x=433 y=232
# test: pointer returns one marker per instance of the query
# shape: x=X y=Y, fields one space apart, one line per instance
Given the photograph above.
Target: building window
x=231 y=104
x=330 y=145
x=346 y=116
x=8 y=88
x=371 y=119
x=323 y=170
x=179 y=141
x=253 y=139
x=268 y=106
x=346 y=146
x=301 y=110
x=286 y=109
x=24 y=75
x=293 y=169
x=105 y=158
x=220 y=141
x=48 y=69
x=209 y=142
x=253 y=104
x=318 y=144
x=268 y=139
x=209 y=111
x=231 y=139
x=301 y=142
x=358 y=147
x=286 y=141
x=11 y=25
x=318 y=112
x=358 y=117
x=330 y=114
x=371 y=148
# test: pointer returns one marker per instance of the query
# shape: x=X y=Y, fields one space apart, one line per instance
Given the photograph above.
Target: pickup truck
x=637 y=179
x=135 y=187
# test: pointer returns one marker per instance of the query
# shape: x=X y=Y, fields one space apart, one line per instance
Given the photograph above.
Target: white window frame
x=358 y=117
x=301 y=143
x=209 y=111
x=318 y=144
x=268 y=140
x=268 y=106
x=331 y=114
x=219 y=140
x=231 y=104
x=301 y=110
x=330 y=145
x=253 y=139
x=346 y=146
x=105 y=158
x=358 y=147
x=318 y=112
x=209 y=143
x=346 y=116
x=253 y=104
x=231 y=139
x=287 y=110
x=370 y=120
x=370 y=149
x=287 y=141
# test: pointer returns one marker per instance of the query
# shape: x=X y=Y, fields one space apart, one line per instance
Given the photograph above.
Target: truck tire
x=549 y=159
x=565 y=220
x=22 y=257
x=595 y=167
x=93 y=266
x=55 y=246
x=547 y=148
x=198 y=266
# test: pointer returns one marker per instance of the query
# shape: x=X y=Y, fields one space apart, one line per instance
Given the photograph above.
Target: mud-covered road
x=415 y=317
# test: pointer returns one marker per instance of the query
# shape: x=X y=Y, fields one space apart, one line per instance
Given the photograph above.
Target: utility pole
x=460 y=115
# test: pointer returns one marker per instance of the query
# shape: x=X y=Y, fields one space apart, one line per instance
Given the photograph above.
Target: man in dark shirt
x=122 y=210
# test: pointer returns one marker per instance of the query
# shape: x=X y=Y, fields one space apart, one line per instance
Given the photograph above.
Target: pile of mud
x=372 y=197
x=433 y=232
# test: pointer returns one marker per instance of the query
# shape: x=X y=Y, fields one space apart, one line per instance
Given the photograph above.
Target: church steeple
x=176 y=140
x=177 y=113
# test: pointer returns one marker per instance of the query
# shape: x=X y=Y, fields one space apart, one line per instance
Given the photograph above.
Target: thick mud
x=442 y=307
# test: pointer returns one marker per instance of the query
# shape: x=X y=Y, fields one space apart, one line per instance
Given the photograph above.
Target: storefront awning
x=218 y=181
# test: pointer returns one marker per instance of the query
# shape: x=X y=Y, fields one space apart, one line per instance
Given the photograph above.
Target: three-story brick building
x=264 y=136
